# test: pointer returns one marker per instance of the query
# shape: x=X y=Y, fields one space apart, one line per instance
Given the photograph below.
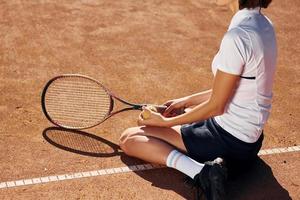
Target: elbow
x=218 y=109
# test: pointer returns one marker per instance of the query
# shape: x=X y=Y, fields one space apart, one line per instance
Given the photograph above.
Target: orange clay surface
x=145 y=51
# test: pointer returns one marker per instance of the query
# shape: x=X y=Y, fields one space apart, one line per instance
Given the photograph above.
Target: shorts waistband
x=220 y=130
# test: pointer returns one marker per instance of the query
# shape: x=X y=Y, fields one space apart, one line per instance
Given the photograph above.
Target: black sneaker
x=211 y=180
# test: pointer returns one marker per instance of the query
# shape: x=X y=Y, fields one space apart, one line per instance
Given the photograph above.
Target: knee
x=127 y=133
x=127 y=139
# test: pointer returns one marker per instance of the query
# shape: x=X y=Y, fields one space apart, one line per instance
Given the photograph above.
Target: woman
x=224 y=122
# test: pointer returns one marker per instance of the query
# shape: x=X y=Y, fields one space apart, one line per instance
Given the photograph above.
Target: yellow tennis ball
x=146 y=114
x=151 y=107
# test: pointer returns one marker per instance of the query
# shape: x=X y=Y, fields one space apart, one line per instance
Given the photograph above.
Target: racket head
x=74 y=101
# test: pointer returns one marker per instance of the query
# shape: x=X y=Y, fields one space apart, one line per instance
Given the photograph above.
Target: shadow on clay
x=81 y=142
x=256 y=182
x=164 y=178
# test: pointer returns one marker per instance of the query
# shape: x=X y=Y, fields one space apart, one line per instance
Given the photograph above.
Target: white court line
x=102 y=172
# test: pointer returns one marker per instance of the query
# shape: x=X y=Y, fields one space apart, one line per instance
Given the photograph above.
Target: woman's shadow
x=258 y=182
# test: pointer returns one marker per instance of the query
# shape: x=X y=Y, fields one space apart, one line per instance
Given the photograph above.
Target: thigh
x=170 y=135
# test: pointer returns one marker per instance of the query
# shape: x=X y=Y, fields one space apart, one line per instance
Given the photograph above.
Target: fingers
x=140 y=121
x=155 y=119
x=144 y=116
x=160 y=109
x=146 y=113
x=168 y=111
x=168 y=103
x=169 y=108
x=173 y=111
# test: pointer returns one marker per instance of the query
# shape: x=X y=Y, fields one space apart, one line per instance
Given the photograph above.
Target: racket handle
x=161 y=109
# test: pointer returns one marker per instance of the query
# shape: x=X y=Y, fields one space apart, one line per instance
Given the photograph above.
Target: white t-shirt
x=248 y=49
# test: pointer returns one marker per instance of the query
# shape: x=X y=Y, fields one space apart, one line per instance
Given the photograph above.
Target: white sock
x=183 y=163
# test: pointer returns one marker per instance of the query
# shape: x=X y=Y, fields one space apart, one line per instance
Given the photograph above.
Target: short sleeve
x=231 y=55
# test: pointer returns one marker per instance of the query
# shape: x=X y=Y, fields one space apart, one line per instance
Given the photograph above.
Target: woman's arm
x=198 y=98
x=224 y=85
x=177 y=105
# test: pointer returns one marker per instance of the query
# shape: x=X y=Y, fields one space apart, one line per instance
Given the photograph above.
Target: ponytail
x=254 y=3
x=265 y=3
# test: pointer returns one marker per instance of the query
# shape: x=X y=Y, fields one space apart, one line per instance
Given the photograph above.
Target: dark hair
x=254 y=3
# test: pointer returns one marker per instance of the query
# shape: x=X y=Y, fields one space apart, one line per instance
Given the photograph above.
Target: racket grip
x=161 y=110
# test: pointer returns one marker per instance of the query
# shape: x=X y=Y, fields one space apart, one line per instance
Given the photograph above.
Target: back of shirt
x=248 y=49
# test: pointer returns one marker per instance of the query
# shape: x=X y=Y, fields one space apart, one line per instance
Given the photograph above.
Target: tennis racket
x=78 y=102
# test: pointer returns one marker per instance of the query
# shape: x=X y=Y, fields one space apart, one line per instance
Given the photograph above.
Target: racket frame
x=109 y=93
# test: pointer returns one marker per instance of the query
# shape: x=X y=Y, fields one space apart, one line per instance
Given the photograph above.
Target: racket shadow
x=80 y=142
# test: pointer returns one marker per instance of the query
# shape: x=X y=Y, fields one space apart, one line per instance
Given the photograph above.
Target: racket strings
x=77 y=102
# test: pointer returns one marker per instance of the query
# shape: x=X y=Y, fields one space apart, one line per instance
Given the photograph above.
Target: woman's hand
x=153 y=119
x=175 y=107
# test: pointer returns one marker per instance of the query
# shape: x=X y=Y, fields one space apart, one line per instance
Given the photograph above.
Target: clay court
x=144 y=51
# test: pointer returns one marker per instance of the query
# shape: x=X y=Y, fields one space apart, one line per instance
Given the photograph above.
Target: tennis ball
x=152 y=107
x=146 y=114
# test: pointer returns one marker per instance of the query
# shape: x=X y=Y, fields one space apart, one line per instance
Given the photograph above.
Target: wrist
x=170 y=122
x=188 y=102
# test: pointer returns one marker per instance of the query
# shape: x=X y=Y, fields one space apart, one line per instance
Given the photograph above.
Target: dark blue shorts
x=206 y=140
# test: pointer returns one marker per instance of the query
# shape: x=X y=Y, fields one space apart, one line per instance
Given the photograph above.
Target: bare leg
x=147 y=148
x=158 y=145
x=152 y=144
